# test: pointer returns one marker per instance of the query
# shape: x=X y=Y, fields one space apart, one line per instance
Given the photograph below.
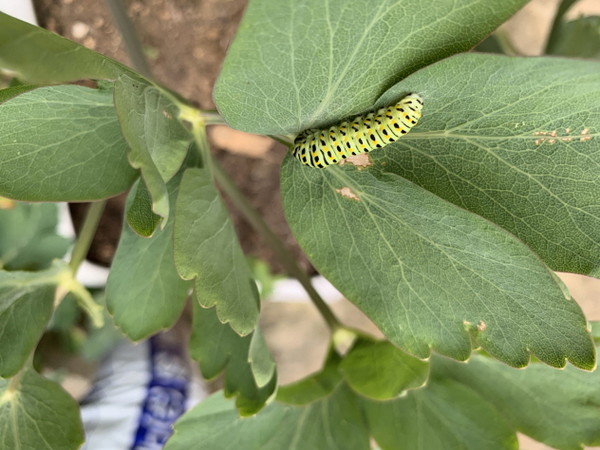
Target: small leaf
x=260 y=360
x=381 y=371
x=207 y=250
x=33 y=53
x=37 y=413
x=29 y=240
x=249 y=369
x=139 y=213
x=560 y=408
x=26 y=301
x=578 y=38
x=291 y=68
x=62 y=143
x=157 y=140
x=144 y=293
x=334 y=422
x=443 y=415
x=429 y=274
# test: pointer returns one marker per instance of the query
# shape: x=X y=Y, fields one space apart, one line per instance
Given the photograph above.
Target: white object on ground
x=21 y=9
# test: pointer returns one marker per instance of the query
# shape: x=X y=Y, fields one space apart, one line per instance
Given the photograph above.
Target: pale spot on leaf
x=360 y=161
x=348 y=193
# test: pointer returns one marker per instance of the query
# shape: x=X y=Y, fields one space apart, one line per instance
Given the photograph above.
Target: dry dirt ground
x=186 y=41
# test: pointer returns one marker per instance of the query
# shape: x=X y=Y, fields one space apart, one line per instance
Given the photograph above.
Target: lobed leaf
x=158 y=142
x=429 y=274
x=249 y=369
x=38 y=413
x=560 y=408
x=62 y=143
x=298 y=64
x=144 y=292
x=207 y=250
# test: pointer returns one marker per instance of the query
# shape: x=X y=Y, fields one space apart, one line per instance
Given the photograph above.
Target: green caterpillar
x=321 y=148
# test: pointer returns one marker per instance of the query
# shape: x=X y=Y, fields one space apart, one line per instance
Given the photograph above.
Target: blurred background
x=185 y=42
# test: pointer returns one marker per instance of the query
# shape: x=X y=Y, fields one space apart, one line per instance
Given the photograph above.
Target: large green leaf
x=38 y=414
x=144 y=292
x=26 y=300
x=333 y=423
x=62 y=143
x=429 y=274
x=249 y=370
x=517 y=143
x=39 y=56
x=381 y=371
x=444 y=415
x=299 y=63
x=29 y=240
x=558 y=407
x=207 y=250
x=158 y=141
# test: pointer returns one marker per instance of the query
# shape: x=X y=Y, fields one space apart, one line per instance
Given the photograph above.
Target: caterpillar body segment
x=323 y=147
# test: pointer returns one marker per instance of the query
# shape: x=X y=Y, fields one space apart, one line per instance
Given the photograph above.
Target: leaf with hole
x=430 y=274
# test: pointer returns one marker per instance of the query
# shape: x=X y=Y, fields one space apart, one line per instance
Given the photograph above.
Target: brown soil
x=185 y=41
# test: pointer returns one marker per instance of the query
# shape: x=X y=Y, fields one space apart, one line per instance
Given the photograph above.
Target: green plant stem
x=212 y=117
x=88 y=230
x=132 y=43
x=288 y=261
x=285 y=142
